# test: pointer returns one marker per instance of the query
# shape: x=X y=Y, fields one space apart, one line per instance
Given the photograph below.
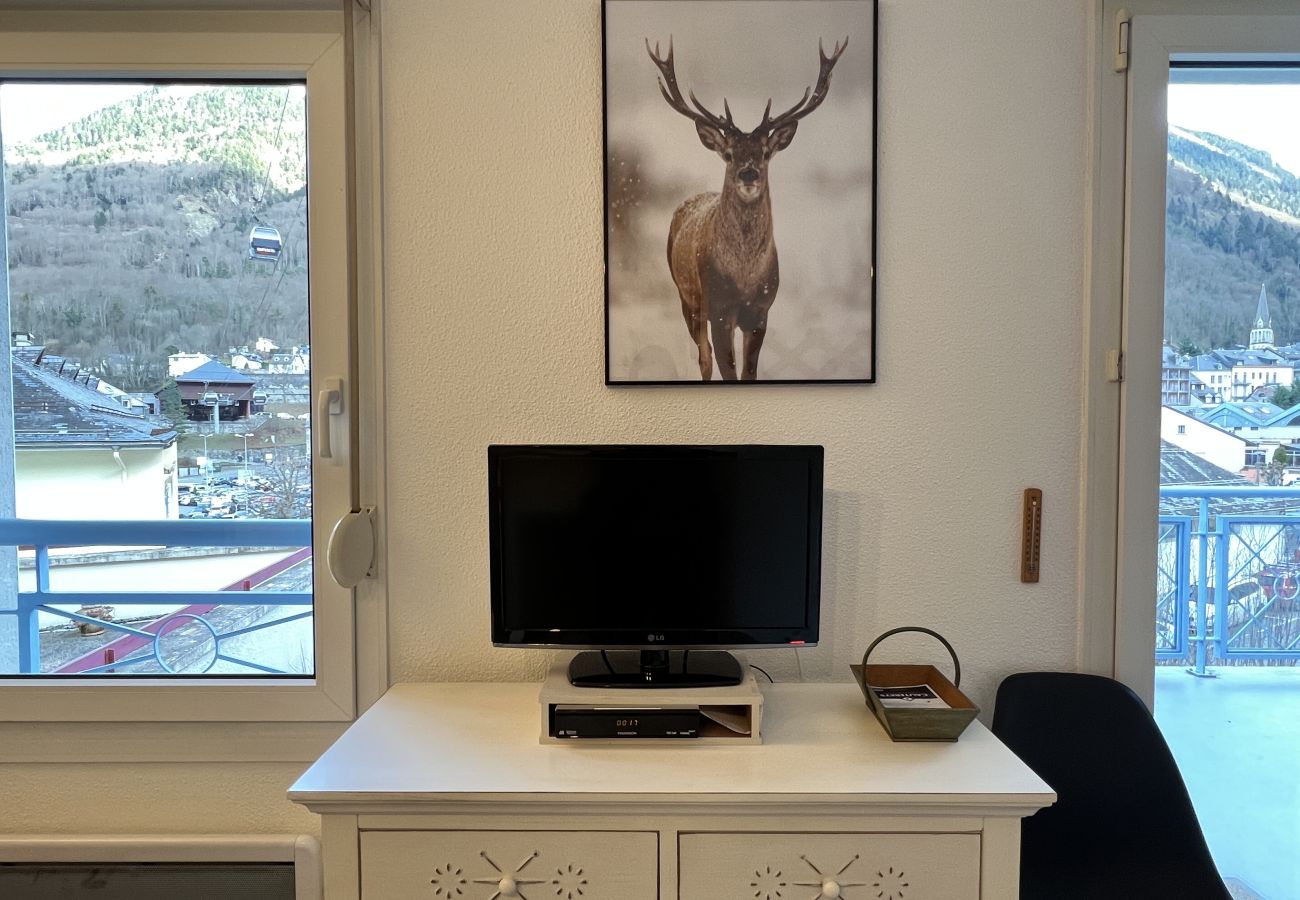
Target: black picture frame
x=687 y=84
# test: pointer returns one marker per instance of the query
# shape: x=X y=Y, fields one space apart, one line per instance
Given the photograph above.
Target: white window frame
x=268 y=44
x=1126 y=264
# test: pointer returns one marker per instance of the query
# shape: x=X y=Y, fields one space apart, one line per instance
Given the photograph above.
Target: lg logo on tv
x=654 y=637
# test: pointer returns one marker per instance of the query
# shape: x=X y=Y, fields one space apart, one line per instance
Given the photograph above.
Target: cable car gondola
x=264 y=243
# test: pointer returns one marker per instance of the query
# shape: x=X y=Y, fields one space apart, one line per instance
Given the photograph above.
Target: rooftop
x=1179 y=466
x=56 y=403
x=213 y=372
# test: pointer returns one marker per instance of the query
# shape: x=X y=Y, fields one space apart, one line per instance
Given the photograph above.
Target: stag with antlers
x=720 y=248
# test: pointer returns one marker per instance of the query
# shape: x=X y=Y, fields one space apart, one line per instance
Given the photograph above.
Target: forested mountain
x=1233 y=223
x=129 y=229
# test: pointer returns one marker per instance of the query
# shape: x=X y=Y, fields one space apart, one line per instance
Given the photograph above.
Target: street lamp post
x=245 y=436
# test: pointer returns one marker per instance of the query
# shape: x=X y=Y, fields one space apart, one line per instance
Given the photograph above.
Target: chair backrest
x=1123 y=821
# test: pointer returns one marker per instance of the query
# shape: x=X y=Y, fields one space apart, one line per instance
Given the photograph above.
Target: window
x=129 y=239
x=1182 y=429
x=179 y=221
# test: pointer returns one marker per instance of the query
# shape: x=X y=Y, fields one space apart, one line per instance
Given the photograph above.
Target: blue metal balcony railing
x=1228 y=574
x=217 y=533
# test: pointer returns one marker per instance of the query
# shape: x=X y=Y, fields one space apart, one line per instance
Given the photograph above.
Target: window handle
x=329 y=402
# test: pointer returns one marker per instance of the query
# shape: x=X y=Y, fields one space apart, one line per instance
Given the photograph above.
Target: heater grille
x=145 y=867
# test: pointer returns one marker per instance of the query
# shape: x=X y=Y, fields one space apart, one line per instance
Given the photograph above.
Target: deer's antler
x=673 y=94
x=812 y=98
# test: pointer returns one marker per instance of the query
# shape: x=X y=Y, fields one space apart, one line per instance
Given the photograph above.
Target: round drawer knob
x=507 y=886
x=830 y=889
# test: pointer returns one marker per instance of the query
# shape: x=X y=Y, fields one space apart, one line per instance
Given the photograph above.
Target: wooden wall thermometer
x=1031 y=535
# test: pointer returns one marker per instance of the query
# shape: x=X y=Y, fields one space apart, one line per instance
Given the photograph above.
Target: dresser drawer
x=533 y=865
x=767 y=866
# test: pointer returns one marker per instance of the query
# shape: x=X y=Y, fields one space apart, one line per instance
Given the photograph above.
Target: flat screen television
x=655 y=559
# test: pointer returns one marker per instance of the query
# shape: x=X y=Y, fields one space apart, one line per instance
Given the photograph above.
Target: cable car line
x=297 y=213
x=266 y=182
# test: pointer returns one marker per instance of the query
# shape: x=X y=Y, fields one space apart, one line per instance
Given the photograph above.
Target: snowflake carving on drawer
x=767 y=884
x=889 y=884
x=508 y=883
x=569 y=882
x=448 y=881
x=830 y=887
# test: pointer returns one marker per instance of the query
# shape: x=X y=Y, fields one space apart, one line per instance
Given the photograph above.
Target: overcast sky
x=28 y=110
x=1263 y=116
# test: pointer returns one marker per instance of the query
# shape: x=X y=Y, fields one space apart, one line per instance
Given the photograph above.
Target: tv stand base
x=724 y=715
x=655 y=669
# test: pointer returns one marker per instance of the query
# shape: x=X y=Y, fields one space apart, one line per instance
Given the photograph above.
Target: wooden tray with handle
x=922 y=723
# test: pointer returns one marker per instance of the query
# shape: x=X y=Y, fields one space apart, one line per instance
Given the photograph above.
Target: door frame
x=1126 y=262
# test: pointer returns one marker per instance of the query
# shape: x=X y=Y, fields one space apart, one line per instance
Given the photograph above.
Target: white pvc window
x=1157 y=41
x=241 y=453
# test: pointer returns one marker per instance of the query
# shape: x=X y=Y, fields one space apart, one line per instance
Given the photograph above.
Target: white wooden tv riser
x=444 y=791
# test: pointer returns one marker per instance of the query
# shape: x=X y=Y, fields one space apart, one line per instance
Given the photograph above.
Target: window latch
x=329 y=402
x=351 y=551
x=1114 y=366
x=1122 y=23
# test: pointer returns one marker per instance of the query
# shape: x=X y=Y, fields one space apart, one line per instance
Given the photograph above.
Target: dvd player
x=571 y=721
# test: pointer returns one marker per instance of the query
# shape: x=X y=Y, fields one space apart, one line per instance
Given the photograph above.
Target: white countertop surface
x=479 y=741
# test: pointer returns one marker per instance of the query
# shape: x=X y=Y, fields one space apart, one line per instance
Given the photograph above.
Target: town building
x=245 y=360
x=80 y=454
x=1237 y=417
x=1221 y=376
x=180 y=363
x=1202 y=439
x=295 y=361
x=216 y=393
x=1261 y=333
x=1175 y=378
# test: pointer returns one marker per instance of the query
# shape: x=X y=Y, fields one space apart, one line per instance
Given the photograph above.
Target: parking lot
x=238 y=496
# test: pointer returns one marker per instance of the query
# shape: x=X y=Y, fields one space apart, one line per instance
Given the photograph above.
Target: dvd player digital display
x=569 y=721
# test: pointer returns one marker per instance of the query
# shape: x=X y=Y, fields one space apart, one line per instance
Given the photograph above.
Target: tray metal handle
x=956 y=666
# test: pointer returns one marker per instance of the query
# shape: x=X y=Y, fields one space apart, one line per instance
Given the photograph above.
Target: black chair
x=1123 y=825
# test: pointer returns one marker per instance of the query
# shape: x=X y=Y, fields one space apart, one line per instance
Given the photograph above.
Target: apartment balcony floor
x=1237 y=741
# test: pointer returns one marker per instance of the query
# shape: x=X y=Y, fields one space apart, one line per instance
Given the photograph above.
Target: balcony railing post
x=29 y=638
x=43 y=569
x=1222 y=527
x=1183 y=589
x=1202 y=578
x=29 y=624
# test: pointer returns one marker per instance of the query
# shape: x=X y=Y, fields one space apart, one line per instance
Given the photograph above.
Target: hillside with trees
x=129 y=229
x=1233 y=223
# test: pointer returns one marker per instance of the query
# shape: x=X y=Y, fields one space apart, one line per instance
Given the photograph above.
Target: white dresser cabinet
x=401 y=865
x=776 y=866
x=443 y=792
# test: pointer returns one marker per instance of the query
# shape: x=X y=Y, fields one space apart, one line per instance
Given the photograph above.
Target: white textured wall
x=158 y=798
x=495 y=305
x=493 y=193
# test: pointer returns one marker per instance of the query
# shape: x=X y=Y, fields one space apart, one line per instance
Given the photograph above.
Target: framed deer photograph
x=740 y=191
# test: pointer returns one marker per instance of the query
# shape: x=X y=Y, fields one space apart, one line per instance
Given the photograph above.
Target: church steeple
x=1261 y=335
